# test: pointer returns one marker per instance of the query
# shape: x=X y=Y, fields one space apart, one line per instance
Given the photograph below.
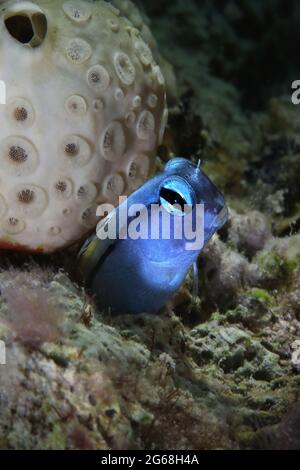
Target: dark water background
x=254 y=44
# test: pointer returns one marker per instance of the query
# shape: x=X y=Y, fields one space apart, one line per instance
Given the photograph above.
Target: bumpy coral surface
x=85 y=112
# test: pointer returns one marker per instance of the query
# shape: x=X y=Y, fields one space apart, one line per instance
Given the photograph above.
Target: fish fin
x=97 y=246
x=93 y=250
x=85 y=246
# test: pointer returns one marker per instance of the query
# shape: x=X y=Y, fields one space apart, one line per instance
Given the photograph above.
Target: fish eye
x=175 y=194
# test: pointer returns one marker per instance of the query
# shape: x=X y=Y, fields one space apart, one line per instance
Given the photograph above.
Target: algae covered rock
x=77 y=378
x=101 y=384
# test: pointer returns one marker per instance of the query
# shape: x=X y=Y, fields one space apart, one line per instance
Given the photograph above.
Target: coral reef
x=102 y=384
x=220 y=367
x=78 y=378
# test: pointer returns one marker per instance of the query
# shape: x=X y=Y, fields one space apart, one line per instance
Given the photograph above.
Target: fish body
x=141 y=271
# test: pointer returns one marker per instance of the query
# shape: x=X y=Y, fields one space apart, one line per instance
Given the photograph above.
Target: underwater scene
x=149 y=225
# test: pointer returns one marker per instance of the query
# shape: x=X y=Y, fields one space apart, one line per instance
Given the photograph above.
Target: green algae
x=261 y=295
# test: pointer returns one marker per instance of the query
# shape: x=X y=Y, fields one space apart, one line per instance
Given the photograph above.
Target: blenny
x=140 y=268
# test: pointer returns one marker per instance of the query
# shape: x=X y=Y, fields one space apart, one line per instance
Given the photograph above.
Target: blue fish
x=141 y=268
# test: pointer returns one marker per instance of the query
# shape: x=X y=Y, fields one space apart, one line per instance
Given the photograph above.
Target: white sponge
x=85 y=110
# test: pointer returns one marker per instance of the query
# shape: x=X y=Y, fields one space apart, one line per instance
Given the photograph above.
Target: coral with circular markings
x=85 y=110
